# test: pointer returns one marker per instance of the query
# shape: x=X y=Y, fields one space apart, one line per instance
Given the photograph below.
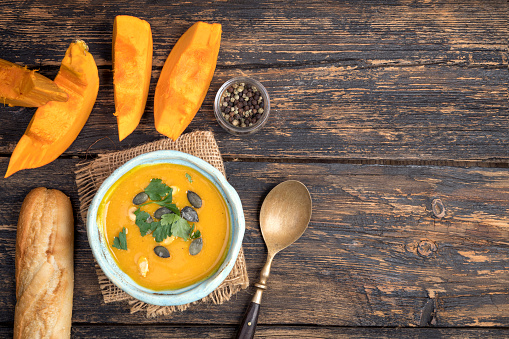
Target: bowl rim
x=242 y=130
x=187 y=294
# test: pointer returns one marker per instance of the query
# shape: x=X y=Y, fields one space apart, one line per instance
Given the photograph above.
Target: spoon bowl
x=284 y=217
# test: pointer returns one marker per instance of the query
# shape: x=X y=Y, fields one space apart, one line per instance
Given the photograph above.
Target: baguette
x=44 y=266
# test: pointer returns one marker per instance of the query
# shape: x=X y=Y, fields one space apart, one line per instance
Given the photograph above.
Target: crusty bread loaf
x=44 y=266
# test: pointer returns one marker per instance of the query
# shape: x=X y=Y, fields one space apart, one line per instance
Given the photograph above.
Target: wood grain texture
x=284 y=332
x=271 y=32
x=386 y=81
x=402 y=83
x=373 y=255
x=331 y=112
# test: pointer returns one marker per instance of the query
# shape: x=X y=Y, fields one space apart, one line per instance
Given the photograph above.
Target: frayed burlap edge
x=91 y=174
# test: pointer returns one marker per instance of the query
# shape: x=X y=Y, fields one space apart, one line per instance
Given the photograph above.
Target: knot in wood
x=426 y=247
x=438 y=208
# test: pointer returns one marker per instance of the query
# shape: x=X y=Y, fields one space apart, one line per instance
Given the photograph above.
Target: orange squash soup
x=166 y=225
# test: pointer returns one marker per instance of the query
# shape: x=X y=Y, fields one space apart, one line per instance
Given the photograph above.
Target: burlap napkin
x=91 y=174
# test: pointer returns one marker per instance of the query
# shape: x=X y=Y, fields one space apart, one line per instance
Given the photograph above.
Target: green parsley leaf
x=195 y=234
x=168 y=219
x=120 y=242
x=171 y=223
x=165 y=228
x=157 y=190
x=162 y=232
x=181 y=228
x=167 y=202
x=141 y=222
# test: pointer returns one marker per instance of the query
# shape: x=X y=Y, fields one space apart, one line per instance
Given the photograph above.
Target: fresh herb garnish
x=157 y=190
x=120 y=242
x=181 y=228
x=189 y=178
x=167 y=202
x=171 y=223
x=164 y=229
x=194 y=234
x=141 y=221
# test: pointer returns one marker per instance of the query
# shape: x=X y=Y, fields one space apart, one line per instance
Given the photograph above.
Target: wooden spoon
x=284 y=216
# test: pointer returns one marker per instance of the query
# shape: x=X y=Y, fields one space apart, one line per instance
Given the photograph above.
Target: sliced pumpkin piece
x=132 y=68
x=185 y=78
x=20 y=86
x=56 y=125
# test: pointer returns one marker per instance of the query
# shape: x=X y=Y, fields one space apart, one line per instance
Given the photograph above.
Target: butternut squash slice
x=132 y=68
x=56 y=125
x=185 y=78
x=20 y=86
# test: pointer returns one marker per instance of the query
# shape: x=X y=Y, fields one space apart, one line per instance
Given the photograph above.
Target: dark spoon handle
x=248 y=324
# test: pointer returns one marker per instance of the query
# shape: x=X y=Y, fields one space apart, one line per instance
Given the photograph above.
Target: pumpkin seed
x=161 y=211
x=149 y=219
x=194 y=199
x=189 y=214
x=196 y=246
x=161 y=252
x=140 y=198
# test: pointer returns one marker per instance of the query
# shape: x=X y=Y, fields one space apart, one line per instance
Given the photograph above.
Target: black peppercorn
x=242 y=106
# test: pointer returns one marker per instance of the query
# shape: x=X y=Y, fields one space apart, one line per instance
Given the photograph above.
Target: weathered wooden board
x=414 y=113
x=217 y=332
x=370 y=82
x=388 y=81
x=373 y=255
x=271 y=32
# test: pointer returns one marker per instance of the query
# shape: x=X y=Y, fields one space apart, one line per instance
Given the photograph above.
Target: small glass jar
x=238 y=130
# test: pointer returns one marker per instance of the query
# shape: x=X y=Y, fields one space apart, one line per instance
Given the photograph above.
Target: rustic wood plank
x=385 y=81
x=270 y=32
x=389 y=81
x=373 y=255
x=217 y=332
x=425 y=113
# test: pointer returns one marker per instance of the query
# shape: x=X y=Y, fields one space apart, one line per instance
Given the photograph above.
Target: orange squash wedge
x=132 y=68
x=56 y=125
x=185 y=78
x=20 y=86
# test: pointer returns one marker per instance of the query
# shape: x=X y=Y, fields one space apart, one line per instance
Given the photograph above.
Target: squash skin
x=56 y=125
x=185 y=78
x=132 y=69
x=20 y=86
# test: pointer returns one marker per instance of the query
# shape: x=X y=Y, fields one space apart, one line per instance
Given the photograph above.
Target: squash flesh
x=20 y=86
x=185 y=78
x=132 y=69
x=56 y=125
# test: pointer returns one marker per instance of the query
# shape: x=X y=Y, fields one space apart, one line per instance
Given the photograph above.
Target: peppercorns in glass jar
x=242 y=106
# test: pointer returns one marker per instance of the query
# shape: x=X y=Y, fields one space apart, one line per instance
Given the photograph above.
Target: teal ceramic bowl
x=169 y=297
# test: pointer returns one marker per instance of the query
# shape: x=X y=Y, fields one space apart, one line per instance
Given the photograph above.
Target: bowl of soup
x=166 y=227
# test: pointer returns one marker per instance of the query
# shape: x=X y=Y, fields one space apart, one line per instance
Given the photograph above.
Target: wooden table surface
x=379 y=107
